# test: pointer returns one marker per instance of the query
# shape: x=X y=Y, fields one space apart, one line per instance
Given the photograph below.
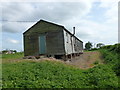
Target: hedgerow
x=111 y=56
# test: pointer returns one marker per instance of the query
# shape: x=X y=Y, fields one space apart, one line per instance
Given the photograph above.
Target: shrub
x=102 y=76
x=96 y=62
x=111 y=56
x=93 y=49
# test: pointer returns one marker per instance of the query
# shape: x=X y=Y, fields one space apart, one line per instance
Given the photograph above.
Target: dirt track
x=86 y=60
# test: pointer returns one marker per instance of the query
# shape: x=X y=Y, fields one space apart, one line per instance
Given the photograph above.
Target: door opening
x=42 y=44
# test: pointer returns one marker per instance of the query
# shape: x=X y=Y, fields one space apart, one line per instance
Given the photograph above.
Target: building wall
x=68 y=42
x=72 y=45
x=55 y=43
x=31 y=47
x=54 y=39
x=78 y=46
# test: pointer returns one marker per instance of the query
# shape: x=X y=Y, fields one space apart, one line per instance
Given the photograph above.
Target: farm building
x=49 y=39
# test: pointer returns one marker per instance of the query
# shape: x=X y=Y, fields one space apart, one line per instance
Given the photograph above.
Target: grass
x=45 y=74
x=10 y=58
x=53 y=74
x=13 y=56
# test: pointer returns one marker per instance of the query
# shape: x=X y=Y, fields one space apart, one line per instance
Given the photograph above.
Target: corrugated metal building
x=49 y=39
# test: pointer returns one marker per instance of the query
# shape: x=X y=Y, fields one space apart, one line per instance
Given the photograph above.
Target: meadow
x=17 y=55
x=20 y=73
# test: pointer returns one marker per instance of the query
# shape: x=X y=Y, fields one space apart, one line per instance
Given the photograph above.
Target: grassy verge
x=12 y=56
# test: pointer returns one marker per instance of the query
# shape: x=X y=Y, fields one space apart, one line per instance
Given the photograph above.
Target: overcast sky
x=95 y=20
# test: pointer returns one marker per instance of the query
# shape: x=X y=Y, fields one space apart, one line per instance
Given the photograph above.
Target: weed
x=96 y=62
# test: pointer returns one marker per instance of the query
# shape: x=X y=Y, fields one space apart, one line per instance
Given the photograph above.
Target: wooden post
x=71 y=56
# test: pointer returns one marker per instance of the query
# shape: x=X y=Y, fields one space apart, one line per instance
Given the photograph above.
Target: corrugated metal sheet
x=72 y=45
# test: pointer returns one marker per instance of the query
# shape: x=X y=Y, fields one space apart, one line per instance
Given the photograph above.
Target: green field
x=19 y=73
x=18 y=55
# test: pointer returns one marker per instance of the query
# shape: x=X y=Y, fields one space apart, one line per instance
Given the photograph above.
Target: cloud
x=14 y=12
x=96 y=32
x=111 y=13
x=53 y=11
x=47 y=0
x=111 y=21
x=13 y=41
x=68 y=14
x=15 y=27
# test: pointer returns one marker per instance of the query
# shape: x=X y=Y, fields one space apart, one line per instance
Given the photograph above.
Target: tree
x=88 y=45
x=4 y=51
x=15 y=51
x=99 y=45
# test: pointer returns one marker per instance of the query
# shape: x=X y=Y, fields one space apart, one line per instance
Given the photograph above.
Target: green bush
x=111 y=55
x=102 y=76
x=113 y=48
x=93 y=49
x=96 y=62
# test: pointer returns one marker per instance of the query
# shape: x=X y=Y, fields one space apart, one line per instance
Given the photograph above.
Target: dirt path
x=87 y=59
x=84 y=61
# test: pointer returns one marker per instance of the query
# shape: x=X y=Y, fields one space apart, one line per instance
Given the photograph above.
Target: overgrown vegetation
x=52 y=74
x=96 y=62
x=49 y=74
x=111 y=55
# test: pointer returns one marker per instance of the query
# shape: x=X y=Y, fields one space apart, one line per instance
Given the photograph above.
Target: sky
x=95 y=20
